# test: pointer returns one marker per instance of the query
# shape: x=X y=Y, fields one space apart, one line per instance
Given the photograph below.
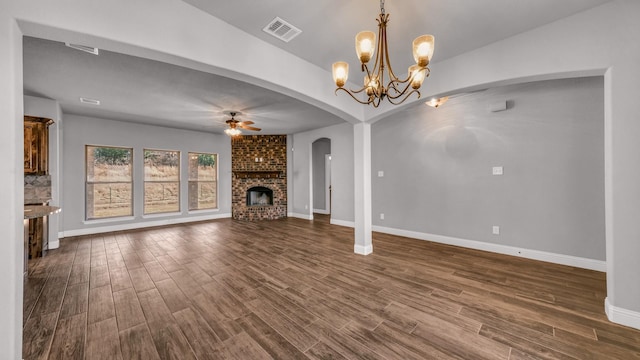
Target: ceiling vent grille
x=89 y=101
x=282 y=29
x=87 y=49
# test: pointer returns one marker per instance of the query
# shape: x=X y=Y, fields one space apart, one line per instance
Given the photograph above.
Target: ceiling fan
x=235 y=125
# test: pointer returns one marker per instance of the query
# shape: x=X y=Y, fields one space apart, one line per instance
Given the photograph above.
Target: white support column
x=362 y=188
x=12 y=183
x=55 y=170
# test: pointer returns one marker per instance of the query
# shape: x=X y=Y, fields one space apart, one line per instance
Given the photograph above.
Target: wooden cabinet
x=36 y=145
x=38 y=241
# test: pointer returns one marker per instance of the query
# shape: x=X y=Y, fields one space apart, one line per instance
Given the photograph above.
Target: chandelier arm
x=391 y=100
x=375 y=101
x=355 y=98
x=365 y=69
x=394 y=85
x=403 y=81
x=355 y=91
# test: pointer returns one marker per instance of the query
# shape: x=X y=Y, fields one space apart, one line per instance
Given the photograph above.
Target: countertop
x=36 y=211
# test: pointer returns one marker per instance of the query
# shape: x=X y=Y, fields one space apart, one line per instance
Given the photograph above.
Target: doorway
x=321 y=175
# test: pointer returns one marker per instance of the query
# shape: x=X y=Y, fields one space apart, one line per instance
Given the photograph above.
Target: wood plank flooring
x=294 y=289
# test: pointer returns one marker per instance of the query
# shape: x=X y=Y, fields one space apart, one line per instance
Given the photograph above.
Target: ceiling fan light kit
x=236 y=125
x=396 y=90
x=233 y=132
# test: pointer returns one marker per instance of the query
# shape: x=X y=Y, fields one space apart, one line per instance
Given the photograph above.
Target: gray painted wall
x=438 y=163
x=342 y=182
x=319 y=149
x=80 y=131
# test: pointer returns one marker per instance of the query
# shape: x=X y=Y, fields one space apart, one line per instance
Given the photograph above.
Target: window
x=108 y=182
x=203 y=181
x=161 y=181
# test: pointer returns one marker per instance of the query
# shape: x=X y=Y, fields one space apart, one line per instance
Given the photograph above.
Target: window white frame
x=197 y=185
x=169 y=188
x=112 y=192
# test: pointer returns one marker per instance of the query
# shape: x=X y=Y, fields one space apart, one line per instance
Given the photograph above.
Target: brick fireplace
x=259 y=181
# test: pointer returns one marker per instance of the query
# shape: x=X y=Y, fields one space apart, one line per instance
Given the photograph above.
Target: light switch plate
x=497 y=170
x=380 y=173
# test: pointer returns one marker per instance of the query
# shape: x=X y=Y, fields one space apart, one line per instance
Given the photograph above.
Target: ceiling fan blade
x=249 y=127
x=247 y=122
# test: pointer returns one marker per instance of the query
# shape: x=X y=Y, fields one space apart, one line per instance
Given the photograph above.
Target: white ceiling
x=147 y=91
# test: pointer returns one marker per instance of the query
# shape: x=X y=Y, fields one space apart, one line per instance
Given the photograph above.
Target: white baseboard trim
x=301 y=216
x=321 y=211
x=139 y=225
x=362 y=250
x=562 y=259
x=622 y=316
x=338 y=222
x=350 y=224
x=54 y=244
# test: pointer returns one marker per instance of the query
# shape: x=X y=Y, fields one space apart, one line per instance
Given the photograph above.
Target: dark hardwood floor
x=293 y=289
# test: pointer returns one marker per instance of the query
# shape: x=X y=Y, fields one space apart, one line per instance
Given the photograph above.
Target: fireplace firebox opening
x=259 y=196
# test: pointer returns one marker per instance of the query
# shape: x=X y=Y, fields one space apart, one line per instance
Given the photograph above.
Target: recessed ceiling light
x=87 y=49
x=89 y=101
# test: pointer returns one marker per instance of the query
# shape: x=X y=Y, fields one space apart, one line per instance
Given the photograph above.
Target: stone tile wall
x=37 y=189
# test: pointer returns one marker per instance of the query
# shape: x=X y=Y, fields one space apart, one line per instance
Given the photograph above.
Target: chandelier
x=233 y=131
x=376 y=87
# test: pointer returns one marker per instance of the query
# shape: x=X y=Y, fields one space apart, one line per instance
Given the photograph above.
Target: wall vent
x=87 y=49
x=282 y=29
x=89 y=101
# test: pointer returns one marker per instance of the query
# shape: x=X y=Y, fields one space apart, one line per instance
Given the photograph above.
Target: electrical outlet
x=306 y=207
x=381 y=216
x=380 y=173
x=496 y=230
